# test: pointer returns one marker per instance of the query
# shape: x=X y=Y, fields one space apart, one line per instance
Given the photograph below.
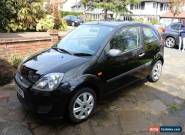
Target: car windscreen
x=85 y=39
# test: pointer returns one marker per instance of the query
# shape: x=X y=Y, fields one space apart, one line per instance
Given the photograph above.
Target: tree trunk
x=56 y=16
x=173 y=18
x=84 y=13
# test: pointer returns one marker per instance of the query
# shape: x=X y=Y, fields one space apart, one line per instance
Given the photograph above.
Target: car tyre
x=156 y=71
x=170 y=42
x=82 y=105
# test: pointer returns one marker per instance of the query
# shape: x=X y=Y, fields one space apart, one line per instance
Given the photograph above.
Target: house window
x=154 y=4
x=131 y=6
x=161 y=6
x=138 y=6
x=142 y=5
x=165 y=7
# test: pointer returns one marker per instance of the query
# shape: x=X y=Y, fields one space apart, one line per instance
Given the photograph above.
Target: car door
x=120 y=70
x=151 y=44
x=175 y=29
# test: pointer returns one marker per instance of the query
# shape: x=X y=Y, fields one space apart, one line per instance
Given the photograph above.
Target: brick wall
x=24 y=47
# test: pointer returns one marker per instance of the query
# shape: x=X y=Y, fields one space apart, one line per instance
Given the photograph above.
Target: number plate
x=20 y=92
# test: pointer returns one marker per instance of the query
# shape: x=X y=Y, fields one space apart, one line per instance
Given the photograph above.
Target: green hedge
x=65 y=13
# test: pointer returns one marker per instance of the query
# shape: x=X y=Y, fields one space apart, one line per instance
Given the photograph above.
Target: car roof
x=116 y=24
x=175 y=23
x=71 y=16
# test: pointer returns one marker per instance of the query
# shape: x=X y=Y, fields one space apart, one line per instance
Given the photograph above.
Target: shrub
x=150 y=21
x=65 y=13
x=154 y=21
x=141 y=20
x=20 y=15
x=5 y=14
x=6 y=72
x=45 y=24
x=15 y=60
x=63 y=25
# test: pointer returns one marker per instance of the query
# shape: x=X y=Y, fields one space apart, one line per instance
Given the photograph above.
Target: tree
x=54 y=7
x=87 y=6
x=30 y=13
x=7 y=11
x=116 y=6
x=176 y=6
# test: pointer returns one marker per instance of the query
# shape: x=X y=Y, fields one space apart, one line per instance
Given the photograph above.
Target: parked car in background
x=171 y=34
x=73 y=20
x=92 y=61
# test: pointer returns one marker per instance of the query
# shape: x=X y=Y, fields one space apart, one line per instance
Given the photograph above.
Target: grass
x=175 y=107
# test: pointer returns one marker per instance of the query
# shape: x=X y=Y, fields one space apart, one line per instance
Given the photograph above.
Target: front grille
x=29 y=74
x=21 y=82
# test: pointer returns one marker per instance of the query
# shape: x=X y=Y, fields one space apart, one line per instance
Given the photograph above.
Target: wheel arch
x=90 y=81
x=170 y=36
x=158 y=56
x=92 y=86
x=161 y=59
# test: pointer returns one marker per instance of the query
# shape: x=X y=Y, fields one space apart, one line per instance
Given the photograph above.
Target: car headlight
x=49 y=82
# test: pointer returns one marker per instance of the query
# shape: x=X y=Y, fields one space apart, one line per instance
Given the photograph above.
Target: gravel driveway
x=131 y=111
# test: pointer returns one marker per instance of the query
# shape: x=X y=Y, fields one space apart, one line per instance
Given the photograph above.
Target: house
x=76 y=6
x=145 y=9
x=69 y=5
x=168 y=17
x=149 y=8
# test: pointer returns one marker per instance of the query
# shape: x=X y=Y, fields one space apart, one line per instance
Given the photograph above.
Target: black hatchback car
x=92 y=61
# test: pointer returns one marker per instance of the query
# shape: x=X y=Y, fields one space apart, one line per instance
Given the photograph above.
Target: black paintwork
x=82 y=71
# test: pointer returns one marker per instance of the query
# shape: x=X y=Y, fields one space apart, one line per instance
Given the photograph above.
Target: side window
x=149 y=35
x=182 y=27
x=175 y=27
x=126 y=39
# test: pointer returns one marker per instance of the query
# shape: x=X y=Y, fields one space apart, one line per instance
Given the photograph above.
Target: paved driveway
x=130 y=111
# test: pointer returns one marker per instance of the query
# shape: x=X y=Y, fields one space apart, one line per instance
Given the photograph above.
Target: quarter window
x=126 y=39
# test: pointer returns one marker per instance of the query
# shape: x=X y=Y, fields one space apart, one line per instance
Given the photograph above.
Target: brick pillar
x=54 y=37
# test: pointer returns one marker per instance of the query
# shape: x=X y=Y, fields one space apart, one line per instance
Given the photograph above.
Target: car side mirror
x=114 y=52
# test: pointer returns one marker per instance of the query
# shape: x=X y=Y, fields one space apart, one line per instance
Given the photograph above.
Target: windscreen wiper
x=82 y=54
x=62 y=50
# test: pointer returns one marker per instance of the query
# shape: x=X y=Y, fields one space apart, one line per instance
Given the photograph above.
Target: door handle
x=141 y=54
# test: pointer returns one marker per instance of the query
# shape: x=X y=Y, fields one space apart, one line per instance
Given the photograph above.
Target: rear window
x=67 y=17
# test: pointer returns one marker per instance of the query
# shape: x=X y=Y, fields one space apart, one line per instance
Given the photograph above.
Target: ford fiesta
x=92 y=61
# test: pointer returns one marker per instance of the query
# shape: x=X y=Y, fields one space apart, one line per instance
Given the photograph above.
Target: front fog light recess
x=49 y=82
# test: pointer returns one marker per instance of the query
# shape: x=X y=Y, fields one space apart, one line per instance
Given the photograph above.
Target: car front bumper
x=46 y=104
